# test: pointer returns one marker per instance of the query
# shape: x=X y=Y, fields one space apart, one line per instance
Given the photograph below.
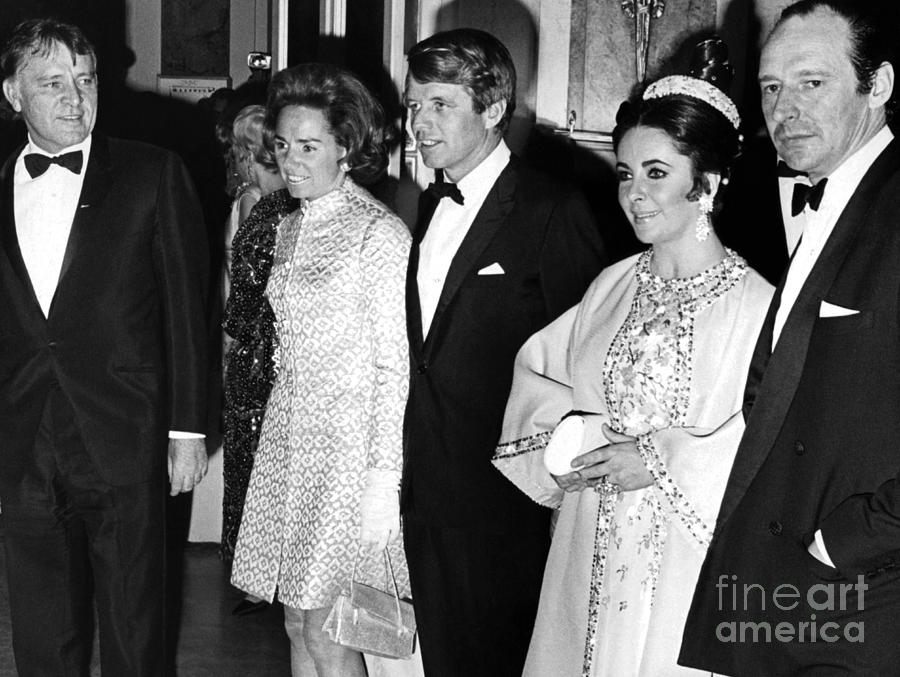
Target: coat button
x=799 y=449
x=422 y=368
x=775 y=527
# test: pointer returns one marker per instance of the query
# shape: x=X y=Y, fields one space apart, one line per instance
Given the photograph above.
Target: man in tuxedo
x=499 y=251
x=802 y=573
x=102 y=365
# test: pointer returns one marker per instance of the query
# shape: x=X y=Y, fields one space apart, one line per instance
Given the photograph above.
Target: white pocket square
x=831 y=310
x=493 y=269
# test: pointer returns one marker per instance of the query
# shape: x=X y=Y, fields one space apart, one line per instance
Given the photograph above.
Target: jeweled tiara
x=697 y=89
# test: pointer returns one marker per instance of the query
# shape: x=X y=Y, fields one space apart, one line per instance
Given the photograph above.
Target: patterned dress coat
x=336 y=408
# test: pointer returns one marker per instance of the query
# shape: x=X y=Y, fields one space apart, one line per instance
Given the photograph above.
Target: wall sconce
x=642 y=11
x=259 y=61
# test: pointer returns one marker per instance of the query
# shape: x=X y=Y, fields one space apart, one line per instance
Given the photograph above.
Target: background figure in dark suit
x=802 y=574
x=508 y=252
x=752 y=219
x=102 y=358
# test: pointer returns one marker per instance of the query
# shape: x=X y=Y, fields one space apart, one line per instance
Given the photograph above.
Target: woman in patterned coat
x=324 y=487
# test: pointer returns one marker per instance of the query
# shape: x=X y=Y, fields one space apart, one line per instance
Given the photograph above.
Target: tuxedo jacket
x=821 y=451
x=751 y=222
x=544 y=237
x=125 y=337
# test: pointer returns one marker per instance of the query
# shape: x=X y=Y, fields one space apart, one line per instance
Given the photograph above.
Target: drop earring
x=705 y=206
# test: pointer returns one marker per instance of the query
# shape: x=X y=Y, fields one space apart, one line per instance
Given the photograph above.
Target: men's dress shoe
x=245 y=607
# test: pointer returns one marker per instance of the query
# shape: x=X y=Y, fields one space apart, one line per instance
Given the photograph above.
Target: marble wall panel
x=602 y=68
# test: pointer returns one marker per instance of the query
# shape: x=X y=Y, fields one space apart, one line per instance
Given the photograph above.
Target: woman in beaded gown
x=248 y=321
x=326 y=475
x=651 y=366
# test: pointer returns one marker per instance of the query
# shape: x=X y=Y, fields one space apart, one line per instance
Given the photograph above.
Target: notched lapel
x=492 y=215
x=786 y=364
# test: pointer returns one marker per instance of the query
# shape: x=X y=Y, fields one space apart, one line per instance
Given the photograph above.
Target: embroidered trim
x=605 y=512
x=665 y=308
x=523 y=445
x=678 y=501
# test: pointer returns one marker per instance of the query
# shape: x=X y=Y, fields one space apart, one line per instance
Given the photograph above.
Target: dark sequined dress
x=249 y=367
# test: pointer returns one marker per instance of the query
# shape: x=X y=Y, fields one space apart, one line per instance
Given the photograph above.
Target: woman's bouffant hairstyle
x=354 y=117
x=248 y=136
x=696 y=129
x=472 y=58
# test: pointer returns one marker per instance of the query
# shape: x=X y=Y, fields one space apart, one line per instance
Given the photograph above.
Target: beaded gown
x=663 y=361
x=336 y=408
x=249 y=367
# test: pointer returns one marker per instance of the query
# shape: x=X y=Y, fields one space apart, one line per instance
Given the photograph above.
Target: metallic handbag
x=373 y=621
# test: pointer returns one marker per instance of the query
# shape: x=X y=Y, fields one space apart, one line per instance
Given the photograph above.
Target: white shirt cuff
x=181 y=435
x=820 y=544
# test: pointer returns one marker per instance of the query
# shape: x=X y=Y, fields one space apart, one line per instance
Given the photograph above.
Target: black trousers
x=70 y=539
x=475 y=595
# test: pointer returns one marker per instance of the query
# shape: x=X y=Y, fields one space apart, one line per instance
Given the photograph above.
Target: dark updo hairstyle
x=354 y=117
x=697 y=130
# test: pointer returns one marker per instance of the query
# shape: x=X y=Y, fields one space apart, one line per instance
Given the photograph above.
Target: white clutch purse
x=565 y=444
x=578 y=433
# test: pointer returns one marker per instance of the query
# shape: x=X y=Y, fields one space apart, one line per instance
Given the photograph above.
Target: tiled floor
x=211 y=641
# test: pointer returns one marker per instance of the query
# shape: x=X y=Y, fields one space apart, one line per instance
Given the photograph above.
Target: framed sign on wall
x=190 y=89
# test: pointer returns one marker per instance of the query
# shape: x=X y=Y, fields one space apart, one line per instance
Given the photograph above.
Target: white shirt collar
x=22 y=176
x=83 y=146
x=802 y=178
x=475 y=185
x=844 y=180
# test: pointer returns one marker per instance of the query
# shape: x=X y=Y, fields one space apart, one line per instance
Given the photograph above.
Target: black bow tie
x=807 y=195
x=37 y=164
x=442 y=189
x=786 y=172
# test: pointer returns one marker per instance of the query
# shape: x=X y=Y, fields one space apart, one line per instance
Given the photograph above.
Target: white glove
x=379 y=509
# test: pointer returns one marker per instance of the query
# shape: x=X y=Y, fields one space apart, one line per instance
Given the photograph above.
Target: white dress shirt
x=448 y=228
x=842 y=183
x=44 y=208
